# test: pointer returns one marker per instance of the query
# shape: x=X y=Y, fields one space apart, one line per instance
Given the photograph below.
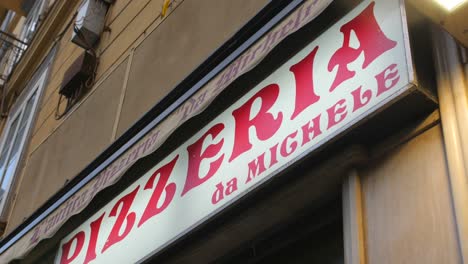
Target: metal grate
x=11 y=50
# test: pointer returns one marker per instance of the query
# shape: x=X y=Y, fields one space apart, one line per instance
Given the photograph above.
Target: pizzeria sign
x=352 y=70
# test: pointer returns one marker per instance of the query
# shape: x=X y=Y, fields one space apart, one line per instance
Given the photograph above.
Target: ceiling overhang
x=455 y=22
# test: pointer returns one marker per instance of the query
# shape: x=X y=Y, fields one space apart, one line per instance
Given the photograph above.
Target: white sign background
x=186 y=212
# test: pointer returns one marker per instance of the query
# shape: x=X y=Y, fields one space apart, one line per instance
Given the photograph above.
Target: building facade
x=198 y=131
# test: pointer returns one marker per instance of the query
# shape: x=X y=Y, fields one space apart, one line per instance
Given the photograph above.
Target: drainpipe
x=453 y=100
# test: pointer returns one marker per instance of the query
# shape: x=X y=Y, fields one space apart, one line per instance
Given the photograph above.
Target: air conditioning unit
x=89 y=23
x=77 y=75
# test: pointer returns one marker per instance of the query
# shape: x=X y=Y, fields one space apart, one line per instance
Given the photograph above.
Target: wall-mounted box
x=89 y=23
x=77 y=74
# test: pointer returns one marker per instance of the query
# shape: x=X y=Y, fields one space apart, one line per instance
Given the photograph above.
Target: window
x=33 y=20
x=12 y=49
x=15 y=135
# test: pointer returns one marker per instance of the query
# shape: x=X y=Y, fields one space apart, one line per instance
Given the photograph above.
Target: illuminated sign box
x=353 y=70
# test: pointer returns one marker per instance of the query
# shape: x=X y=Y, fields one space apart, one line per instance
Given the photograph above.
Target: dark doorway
x=315 y=237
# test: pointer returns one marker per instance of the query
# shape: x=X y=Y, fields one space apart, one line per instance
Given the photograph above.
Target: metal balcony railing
x=11 y=50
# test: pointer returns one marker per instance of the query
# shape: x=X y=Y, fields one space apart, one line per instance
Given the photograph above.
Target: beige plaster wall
x=68 y=150
x=166 y=50
x=408 y=210
x=172 y=51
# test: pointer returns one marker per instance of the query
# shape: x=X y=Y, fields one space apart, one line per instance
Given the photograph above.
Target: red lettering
x=305 y=92
x=273 y=158
x=372 y=42
x=336 y=111
x=286 y=29
x=285 y=150
x=218 y=195
x=313 y=127
x=360 y=98
x=256 y=167
x=79 y=237
x=231 y=186
x=389 y=74
x=264 y=122
x=268 y=43
x=124 y=216
x=35 y=236
x=164 y=173
x=197 y=155
x=95 y=227
x=234 y=69
x=223 y=80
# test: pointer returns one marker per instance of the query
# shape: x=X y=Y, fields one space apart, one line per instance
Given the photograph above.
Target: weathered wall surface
x=186 y=43
x=408 y=210
x=165 y=51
